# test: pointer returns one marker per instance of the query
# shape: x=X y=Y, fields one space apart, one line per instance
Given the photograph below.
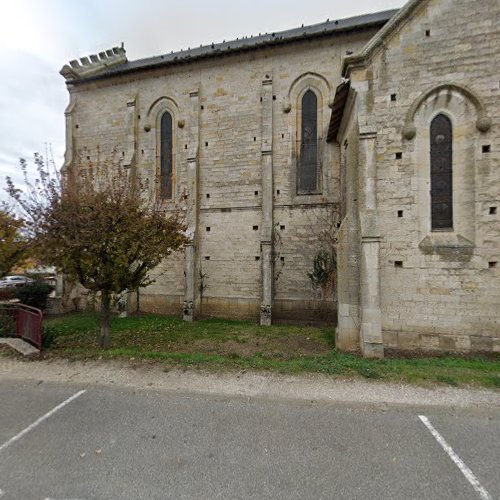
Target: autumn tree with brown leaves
x=101 y=229
x=13 y=244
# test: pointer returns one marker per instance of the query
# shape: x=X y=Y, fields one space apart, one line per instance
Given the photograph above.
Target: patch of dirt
x=7 y=352
x=285 y=347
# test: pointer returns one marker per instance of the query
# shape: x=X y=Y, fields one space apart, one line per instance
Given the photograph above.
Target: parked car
x=14 y=281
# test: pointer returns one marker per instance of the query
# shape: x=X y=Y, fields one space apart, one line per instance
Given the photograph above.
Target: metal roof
x=326 y=28
x=339 y=103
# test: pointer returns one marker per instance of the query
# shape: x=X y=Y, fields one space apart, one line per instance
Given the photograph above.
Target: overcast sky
x=37 y=37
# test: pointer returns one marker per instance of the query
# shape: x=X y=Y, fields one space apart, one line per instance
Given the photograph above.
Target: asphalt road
x=120 y=443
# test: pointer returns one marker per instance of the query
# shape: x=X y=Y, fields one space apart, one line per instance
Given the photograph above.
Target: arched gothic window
x=307 y=178
x=166 y=156
x=441 y=173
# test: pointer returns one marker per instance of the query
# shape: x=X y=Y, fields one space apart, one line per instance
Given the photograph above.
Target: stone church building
x=377 y=136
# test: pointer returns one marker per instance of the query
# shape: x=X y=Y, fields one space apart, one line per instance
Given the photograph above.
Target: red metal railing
x=20 y=320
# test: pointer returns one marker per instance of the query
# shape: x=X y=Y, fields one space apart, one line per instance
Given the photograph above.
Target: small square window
x=207 y=257
x=257 y=258
x=400 y=213
x=255 y=228
x=486 y=148
x=493 y=210
x=492 y=264
x=427 y=32
x=256 y=193
x=208 y=229
x=393 y=97
x=282 y=228
x=399 y=155
x=398 y=263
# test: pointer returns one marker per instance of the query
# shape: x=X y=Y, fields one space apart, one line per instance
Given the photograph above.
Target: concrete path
x=106 y=431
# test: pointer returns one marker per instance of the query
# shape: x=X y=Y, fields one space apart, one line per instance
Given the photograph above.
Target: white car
x=13 y=281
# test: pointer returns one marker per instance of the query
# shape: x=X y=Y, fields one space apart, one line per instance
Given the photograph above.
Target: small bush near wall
x=49 y=335
x=35 y=294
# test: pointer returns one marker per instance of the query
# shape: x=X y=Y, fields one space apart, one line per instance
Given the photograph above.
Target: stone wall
x=438 y=289
x=235 y=136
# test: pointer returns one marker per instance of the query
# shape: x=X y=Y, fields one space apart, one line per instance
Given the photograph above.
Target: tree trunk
x=138 y=305
x=105 y=319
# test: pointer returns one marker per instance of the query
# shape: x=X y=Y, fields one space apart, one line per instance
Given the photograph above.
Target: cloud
x=32 y=100
x=38 y=38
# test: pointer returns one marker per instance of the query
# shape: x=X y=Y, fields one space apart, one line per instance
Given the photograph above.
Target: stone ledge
x=20 y=346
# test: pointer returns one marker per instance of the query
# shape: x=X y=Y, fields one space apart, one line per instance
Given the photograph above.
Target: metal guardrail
x=20 y=320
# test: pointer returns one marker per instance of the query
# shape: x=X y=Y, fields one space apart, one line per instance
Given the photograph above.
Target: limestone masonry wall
x=438 y=289
x=237 y=119
x=220 y=123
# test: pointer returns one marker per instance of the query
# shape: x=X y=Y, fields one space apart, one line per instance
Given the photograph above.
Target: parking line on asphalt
x=457 y=460
x=40 y=420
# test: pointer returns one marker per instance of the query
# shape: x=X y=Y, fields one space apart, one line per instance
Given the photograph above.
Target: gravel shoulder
x=248 y=384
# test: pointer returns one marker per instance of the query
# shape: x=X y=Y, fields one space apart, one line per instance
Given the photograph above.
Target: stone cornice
x=94 y=64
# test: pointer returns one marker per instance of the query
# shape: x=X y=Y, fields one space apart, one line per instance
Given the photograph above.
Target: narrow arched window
x=166 y=156
x=308 y=160
x=441 y=173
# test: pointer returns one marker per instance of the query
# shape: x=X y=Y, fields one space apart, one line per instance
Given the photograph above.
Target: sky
x=37 y=37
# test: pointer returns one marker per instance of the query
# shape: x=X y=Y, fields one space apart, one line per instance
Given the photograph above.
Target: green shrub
x=49 y=334
x=35 y=294
x=7 y=324
x=324 y=269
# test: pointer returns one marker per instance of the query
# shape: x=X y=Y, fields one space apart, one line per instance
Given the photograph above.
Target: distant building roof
x=114 y=61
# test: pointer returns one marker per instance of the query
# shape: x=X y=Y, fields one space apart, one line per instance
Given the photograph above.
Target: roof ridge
x=76 y=74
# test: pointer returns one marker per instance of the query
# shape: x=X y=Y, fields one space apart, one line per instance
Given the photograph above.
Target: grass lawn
x=225 y=344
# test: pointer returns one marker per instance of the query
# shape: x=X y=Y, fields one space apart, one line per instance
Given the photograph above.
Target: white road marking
x=457 y=460
x=40 y=420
